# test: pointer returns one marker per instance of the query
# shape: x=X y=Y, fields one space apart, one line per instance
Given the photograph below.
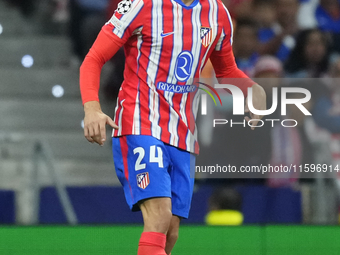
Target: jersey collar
x=192 y=5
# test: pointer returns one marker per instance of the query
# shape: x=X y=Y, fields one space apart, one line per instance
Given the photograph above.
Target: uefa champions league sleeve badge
x=124 y=7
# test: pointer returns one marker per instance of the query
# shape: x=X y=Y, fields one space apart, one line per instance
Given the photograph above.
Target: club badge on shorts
x=206 y=36
x=143 y=180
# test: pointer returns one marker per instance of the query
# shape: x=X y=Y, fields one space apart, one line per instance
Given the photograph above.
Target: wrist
x=258 y=90
x=92 y=106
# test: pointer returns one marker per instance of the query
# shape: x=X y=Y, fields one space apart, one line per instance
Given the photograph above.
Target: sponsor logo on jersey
x=166 y=34
x=206 y=36
x=143 y=180
x=176 y=88
x=124 y=7
x=183 y=66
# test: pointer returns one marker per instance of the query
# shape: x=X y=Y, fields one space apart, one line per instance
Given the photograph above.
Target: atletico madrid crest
x=143 y=180
x=206 y=36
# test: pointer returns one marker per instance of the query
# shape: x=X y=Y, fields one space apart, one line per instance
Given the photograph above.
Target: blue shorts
x=147 y=168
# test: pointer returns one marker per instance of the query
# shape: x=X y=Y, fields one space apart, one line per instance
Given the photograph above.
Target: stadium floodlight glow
x=27 y=61
x=82 y=124
x=1 y=29
x=57 y=91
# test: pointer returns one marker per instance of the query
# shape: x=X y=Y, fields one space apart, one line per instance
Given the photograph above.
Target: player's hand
x=95 y=123
x=259 y=103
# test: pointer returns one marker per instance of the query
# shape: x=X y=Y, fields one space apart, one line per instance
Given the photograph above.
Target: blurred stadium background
x=60 y=195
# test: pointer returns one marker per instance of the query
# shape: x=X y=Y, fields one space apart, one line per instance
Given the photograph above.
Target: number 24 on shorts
x=152 y=159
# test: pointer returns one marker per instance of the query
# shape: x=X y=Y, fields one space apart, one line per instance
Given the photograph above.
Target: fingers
x=97 y=133
x=87 y=135
x=111 y=123
x=103 y=132
x=95 y=128
x=246 y=108
x=252 y=122
x=92 y=133
x=98 y=139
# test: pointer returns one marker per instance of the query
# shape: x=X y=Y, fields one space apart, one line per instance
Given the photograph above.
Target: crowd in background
x=303 y=35
x=284 y=43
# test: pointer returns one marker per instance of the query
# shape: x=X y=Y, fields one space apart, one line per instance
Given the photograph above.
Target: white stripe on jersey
x=188 y=140
x=182 y=108
x=127 y=18
x=114 y=119
x=136 y=115
x=220 y=41
x=178 y=47
x=231 y=25
x=154 y=58
x=213 y=21
x=120 y=118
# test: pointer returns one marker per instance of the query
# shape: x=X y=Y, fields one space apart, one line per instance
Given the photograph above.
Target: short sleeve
x=126 y=20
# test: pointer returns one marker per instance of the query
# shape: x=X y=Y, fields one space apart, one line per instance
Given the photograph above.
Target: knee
x=157 y=216
x=161 y=216
x=158 y=221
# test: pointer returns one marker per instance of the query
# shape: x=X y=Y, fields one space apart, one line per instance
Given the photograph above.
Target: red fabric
x=152 y=243
x=103 y=49
x=227 y=71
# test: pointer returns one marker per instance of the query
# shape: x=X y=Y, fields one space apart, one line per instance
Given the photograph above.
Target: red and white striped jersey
x=166 y=45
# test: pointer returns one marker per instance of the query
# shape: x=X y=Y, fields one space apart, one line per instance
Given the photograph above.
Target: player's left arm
x=226 y=70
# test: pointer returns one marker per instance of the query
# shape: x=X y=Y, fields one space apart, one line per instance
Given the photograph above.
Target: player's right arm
x=111 y=37
x=103 y=49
